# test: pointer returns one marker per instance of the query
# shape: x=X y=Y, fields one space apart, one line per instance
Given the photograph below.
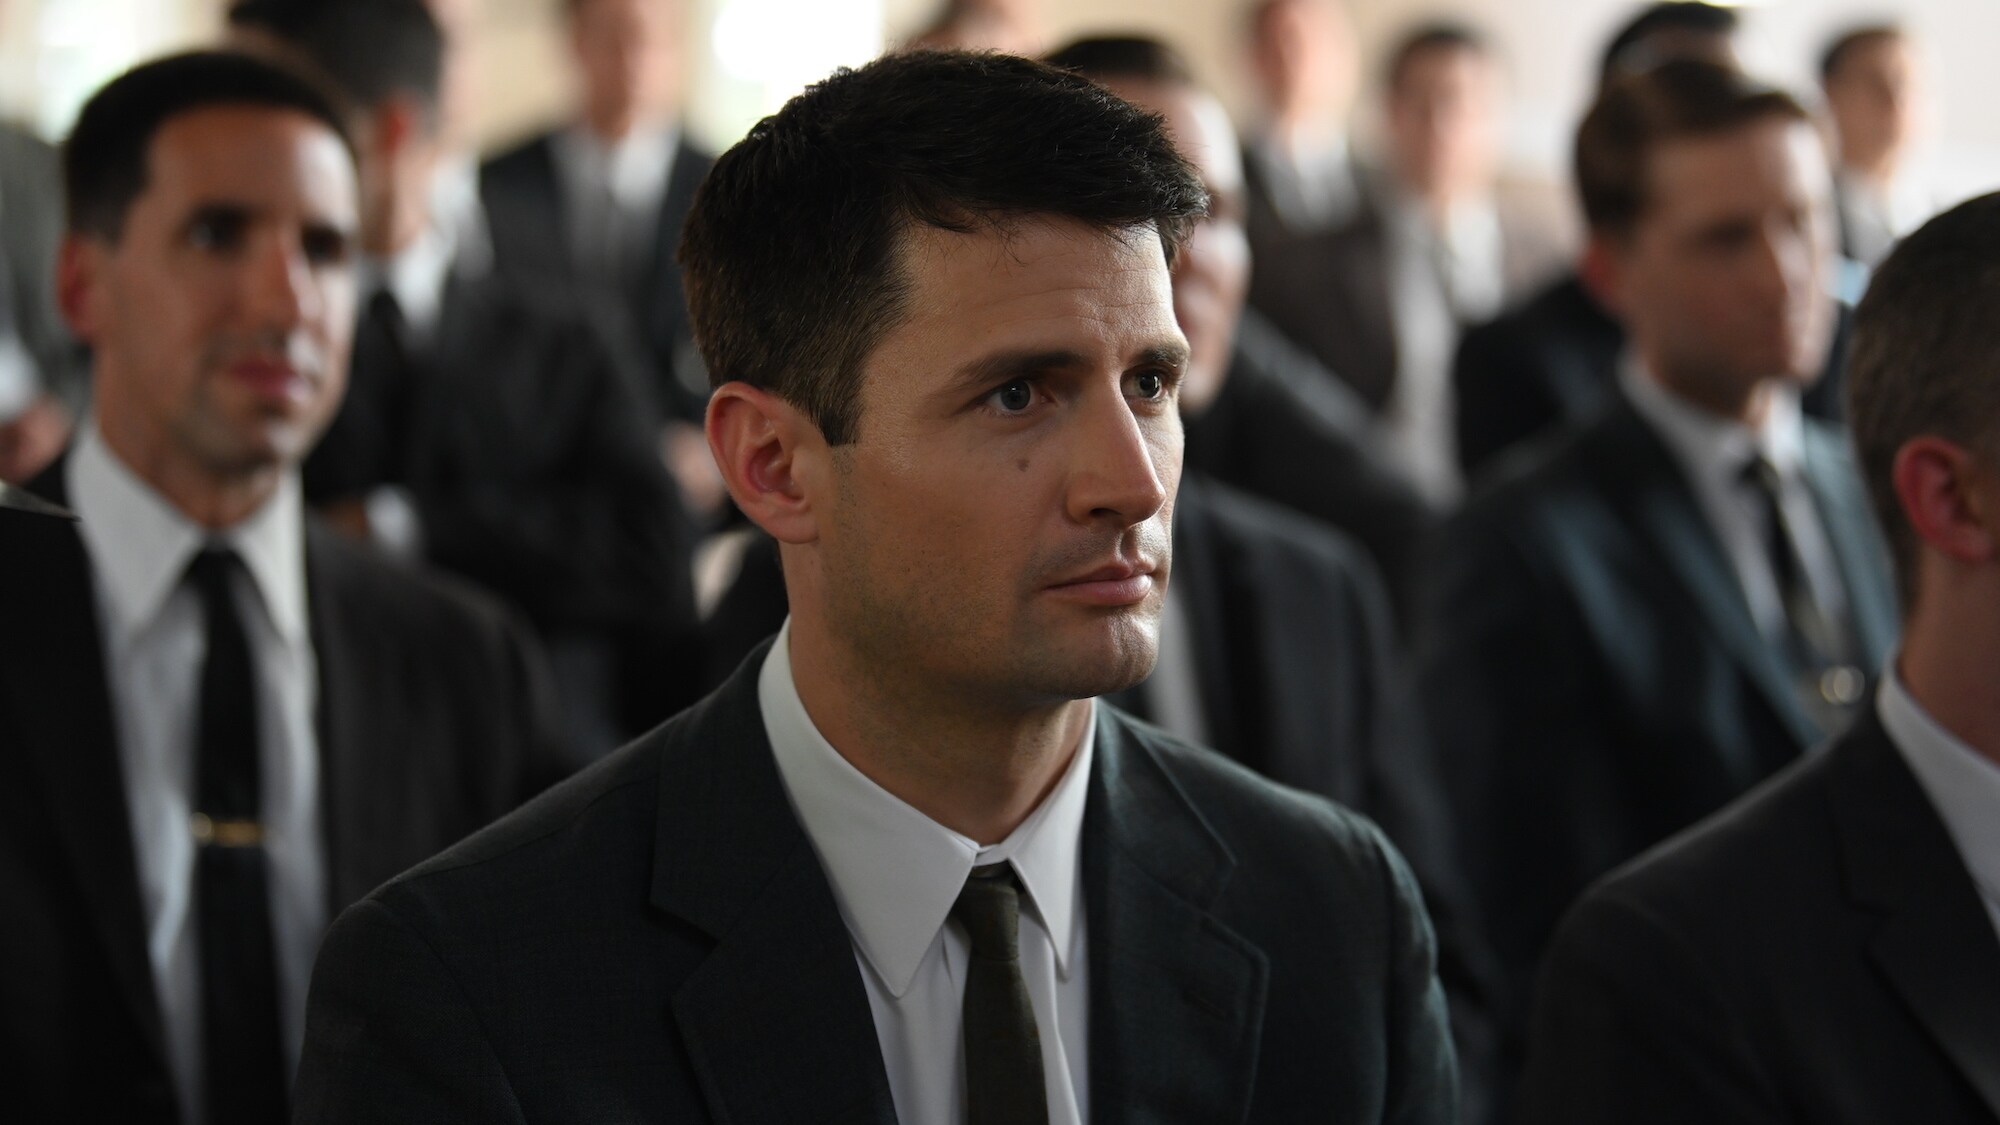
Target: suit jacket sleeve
x=1423 y=1070
x=389 y=1036
x=1632 y=1028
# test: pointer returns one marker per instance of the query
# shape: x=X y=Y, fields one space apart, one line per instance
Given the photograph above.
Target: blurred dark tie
x=239 y=972
x=1817 y=645
x=1003 y=1045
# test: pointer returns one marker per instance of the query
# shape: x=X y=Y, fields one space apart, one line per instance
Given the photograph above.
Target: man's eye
x=215 y=233
x=1015 y=397
x=1150 y=384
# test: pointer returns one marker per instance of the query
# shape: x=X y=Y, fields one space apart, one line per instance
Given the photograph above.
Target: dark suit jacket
x=656 y=941
x=1284 y=429
x=523 y=194
x=1553 y=361
x=1817 y=953
x=1594 y=678
x=433 y=720
x=1329 y=291
x=535 y=474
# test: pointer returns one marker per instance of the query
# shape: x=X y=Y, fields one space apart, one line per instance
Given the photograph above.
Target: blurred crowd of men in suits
x=1534 y=531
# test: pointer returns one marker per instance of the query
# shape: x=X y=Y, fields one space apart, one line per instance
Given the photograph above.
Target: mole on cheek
x=1022 y=464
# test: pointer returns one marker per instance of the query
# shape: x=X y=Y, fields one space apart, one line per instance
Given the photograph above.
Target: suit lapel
x=1936 y=944
x=1176 y=997
x=777 y=1017
x=1857 y=546
x=61 y=705
x=1663 y=505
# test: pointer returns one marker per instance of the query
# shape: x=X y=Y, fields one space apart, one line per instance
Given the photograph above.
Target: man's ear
x=80 y=267
x=1948 y=497
x=773 y=459
x=1602 y=272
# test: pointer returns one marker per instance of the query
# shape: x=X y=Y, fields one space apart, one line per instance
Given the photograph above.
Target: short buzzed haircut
x=792 y=253
x=1425 y=38
x=1925 y=357
x=105 y=159
x=1129 y=58
x=1632 y=49
x=368 y=50
x=1850 y=41
x=1635 y=115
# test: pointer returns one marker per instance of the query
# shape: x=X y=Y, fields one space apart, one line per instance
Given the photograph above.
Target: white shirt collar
x=140 y=545
x=417 y=276
x=1962 y=785
x=1713 y=446
x=895 y=872
x=635 y=168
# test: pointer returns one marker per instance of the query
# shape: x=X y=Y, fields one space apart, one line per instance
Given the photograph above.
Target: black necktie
x=1003 y=1045
x=239 y=974
x=1816 y=645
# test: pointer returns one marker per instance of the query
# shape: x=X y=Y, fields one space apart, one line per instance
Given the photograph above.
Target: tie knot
x=1759 y=472
x=210 y=570
x=989 y=907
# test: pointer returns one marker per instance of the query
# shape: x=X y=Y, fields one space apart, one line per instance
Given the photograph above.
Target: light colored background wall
x=746 y=56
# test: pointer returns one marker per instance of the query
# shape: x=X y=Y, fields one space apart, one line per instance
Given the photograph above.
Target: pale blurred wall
x=48 y=49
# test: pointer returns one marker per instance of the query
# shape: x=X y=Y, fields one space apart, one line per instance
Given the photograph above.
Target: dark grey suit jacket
x=655 y=940
x=1816 y=953
x=434 y=718
x=1596 y=677
x=523 y=195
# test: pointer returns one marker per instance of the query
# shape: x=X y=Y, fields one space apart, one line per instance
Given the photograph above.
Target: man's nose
x=1125 y=465
x=282 y=291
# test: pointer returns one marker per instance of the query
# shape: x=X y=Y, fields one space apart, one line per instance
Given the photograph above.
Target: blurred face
x=1000 y=526
x=1212 y=274
x=1442 y=115
x=219 y=321
x=1721 y=282
x=1877 y=102
x=1304 y=55
x=626 y=56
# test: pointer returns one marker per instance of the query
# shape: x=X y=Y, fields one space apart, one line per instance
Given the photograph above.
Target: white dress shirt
x=612 y=195
x=1712 y=452
x=895 y=875
x=1963 y=786
x=1310 y=182
x=1440 y=278
x=154 y=646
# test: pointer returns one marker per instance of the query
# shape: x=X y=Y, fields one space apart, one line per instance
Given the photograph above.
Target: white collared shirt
x=632 y=174
x=1712 y=452
x=417 y=276
x=895 y=874
x=154 y=646
x=1963 y=786
x=1311 y=182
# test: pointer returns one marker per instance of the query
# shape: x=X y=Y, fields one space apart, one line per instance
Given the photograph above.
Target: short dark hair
x=368 y=50
x=105 y=159
x=1629 y=49
x=1925 y=357
x=792 y=251
x=1424 y=38
x=1676 y=100
x=1851 y=40
x=1133 y=58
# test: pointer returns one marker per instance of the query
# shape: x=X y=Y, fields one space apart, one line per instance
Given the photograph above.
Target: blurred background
x=743 y=58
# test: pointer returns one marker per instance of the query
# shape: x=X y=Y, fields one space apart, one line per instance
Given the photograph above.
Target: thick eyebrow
x=990 y=371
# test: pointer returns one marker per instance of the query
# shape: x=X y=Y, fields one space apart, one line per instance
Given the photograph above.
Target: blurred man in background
x=1828 y=950
x=1636 y=625
x=1299 y=171
x=1879 y=107
x=223 y=722
x=490 y=428
x=42 y=384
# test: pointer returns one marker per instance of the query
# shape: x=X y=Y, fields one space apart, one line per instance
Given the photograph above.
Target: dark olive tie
x=245 y=1068
x=1003 y=1045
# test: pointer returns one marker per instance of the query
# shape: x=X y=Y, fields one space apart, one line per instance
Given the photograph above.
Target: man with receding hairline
x=903 y=865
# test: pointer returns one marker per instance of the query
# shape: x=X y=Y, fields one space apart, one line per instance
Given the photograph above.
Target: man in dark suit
x=600 y=202
x=490 y=429
x=222 y=725
x=1828 y=949
x=903 y=864
x=1657 y=612
x=41 y=366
